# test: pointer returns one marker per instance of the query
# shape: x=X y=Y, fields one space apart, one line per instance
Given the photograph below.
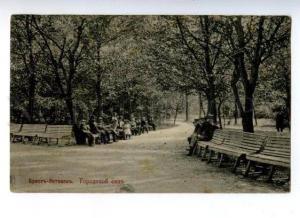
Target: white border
x=153 y=205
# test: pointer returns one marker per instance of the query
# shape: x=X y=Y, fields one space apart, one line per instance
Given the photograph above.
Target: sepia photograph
x=150 y=103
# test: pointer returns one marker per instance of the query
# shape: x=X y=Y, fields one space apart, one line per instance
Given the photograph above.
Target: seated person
x=94 y=129
x=104 y=131
x=133 y=125
x=203 y=132
x=82 y=132
x=127 y=129
x=151 y=123
x=120 y=122
x=144 y=125
x=120 y=128
x=197 y=123
x=114 y=127
x=138 y=127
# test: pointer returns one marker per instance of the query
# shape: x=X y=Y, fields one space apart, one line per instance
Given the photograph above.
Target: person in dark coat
x=280 y=121
x=93 y=126
x=104 y=131
x=151 y=123
x=80 y=137
x=144 y=125
x=82 y=132
x=138 y=127
x=203 y=131
x=97 y=132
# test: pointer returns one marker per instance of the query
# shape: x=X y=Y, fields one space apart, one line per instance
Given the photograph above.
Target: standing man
x=280 y=121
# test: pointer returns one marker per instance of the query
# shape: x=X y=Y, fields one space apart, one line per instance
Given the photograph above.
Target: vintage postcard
x=150 y=104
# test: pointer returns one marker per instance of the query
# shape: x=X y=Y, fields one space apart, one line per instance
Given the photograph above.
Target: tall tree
x=204 y=45
x=64 y=47
x=24 y=48
x=104 y=32
x=252 y=40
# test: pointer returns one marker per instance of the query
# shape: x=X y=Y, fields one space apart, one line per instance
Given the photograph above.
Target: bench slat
x=276 y=152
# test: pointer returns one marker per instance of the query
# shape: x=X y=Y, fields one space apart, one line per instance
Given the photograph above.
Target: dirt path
x=154 y=162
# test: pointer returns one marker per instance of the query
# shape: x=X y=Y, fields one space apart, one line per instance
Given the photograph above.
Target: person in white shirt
x=127 y=129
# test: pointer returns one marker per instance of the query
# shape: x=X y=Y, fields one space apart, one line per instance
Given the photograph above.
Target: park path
x=153 y=162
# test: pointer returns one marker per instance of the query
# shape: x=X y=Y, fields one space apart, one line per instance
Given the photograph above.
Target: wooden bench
x=14 y=128
x=272 y=133
x=276 y=153
x=29 y=131
x=238 y=146
x=56 y=132
x=218 y=139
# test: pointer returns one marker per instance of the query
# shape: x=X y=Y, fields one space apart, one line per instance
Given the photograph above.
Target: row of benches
x=40 y=133
x=254 y=149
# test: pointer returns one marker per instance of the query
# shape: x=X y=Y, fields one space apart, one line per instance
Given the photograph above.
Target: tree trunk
x=31 y=103
x=176 y=112
x=247 y=112
x=288 y=94
x=254 y=114
x=219 y=115
x=249 y=80
x=235 y=114
x=69 y=103
x=200 y=104
x=99 y=96
x=130 y=105
x=211 y=106
x=98 y=83
x=247 y=115
x=165 y=112
x=288 y=104
x=201 y=109
x=31 y=93
x=224 y=118
x=186 y=107
x=31 y=71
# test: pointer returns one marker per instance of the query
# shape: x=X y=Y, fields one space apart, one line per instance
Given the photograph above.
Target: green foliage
x=65 y=68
